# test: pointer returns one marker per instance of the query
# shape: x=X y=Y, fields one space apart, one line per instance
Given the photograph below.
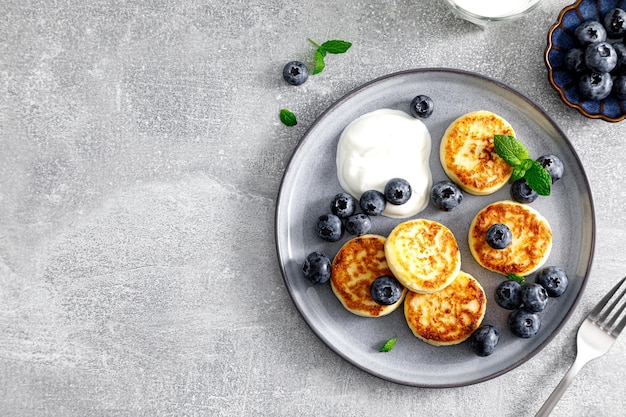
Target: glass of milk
x=482 y=12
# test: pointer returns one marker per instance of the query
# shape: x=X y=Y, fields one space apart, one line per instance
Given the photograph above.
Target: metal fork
x=595 y=337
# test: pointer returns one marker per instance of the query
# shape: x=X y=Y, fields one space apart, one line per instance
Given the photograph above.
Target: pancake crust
x=423 y=255
x=468 y=155
x=449 y=316
x=357 y=264
x=532 y=238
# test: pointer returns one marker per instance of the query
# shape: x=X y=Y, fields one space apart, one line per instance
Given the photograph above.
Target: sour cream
x=382 y=145
x=493 y=8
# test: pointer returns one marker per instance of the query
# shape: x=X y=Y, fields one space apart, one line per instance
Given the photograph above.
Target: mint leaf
x=319 y=62
x=389 y=344
x=287 y=117
x=336 y=46
x=510 y=149
x=516 y=277
x=518 y=173
x=538 y=179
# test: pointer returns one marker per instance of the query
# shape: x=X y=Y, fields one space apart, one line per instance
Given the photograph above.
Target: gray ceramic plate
x=310 y=182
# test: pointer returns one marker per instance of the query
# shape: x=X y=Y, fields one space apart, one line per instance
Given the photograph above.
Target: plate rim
x=464 y=73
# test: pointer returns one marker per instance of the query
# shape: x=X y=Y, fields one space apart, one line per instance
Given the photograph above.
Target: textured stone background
x=140 y=159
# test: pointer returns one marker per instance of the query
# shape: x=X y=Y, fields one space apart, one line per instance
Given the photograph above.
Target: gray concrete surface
x=140 y=158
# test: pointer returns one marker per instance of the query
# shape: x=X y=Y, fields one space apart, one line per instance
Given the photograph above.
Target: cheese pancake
x=449 y=316
x=423 y=255
x=468 y=155
x=532 y=238
x=357 y=264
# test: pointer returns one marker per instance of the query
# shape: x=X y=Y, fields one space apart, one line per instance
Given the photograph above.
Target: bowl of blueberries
x=586 y=58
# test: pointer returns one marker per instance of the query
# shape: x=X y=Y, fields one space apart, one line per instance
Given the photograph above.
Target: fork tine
x=620 y=326
x=595 y=313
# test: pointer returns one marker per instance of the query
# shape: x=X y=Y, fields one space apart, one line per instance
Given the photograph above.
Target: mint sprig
x=388 y=345
x=515 y=277
x=334 y=46
x=514 y=153
x=287 y=117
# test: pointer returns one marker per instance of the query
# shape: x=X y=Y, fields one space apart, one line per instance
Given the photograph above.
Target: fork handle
x=567 y=380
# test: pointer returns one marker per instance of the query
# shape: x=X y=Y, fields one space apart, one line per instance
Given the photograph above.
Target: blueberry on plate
x=358 y=224
x=386 y=290
x=329 y=227
x=484 y=340
x=615 y=23
x=372 y=202
x=523 y=323
x=595 y=86
x=522 y=193
x=295 y=72
x=575 y=61
x=590 y=31
x=508 y=295
x=397 y=191
x=554 y=280
x=620 y=50
x=317 y=267
x=534 y=297
x=553 y=165
x=499 y=236
x=343 y=205
x=600 y=57
x=422 y=107
x=619 y=87
x=446 y=195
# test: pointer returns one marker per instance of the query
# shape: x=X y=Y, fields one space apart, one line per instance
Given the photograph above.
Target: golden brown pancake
x=449 y=316
x=532 y=238
x=468 y=155
x=423 y=255
x=357 y=264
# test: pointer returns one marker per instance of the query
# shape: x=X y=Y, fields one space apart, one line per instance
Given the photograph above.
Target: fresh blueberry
x=329 y=227
x=534 y=297
x=343 y=205
x=553 y=165
x=358 y=224
x=554 y=280
x=595 y=86
x=523 y=323
x=615 y=23
x=522 y=193
x=620 y=50
x=508 y=295
x=295 y=72
x=600 y=57
x=397 y=191
x=499 y=236
x=575 y=60
x=422 y=106
x=372 y=202
x=484 y=340
x=446 y=195
x=386 y=290
x=590 y=31
x=619 y=87
x=317 y=267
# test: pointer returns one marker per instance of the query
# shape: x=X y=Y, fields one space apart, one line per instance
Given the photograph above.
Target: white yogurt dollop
x=382 y=145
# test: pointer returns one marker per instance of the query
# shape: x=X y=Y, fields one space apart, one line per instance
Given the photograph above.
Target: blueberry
x=575 y=60
x=446 y=195
x=329 y=227
x=615 y=23
x=619 y=87
x=534 y=297
x=295 y=73
x=358 y=224
x=553 y=165
x=620 y=50
x=600 y=57
x=595 y=86
x=499 y=236
x=422 y=106
x=522 y=193
x=508 y=295
x=484 y=340
x=372 y=202
x=590 y=31
x=397 y=191
x=343 y=205
x=523 y=323
x=317 y=267
x=386 y=290
x=554 y=280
